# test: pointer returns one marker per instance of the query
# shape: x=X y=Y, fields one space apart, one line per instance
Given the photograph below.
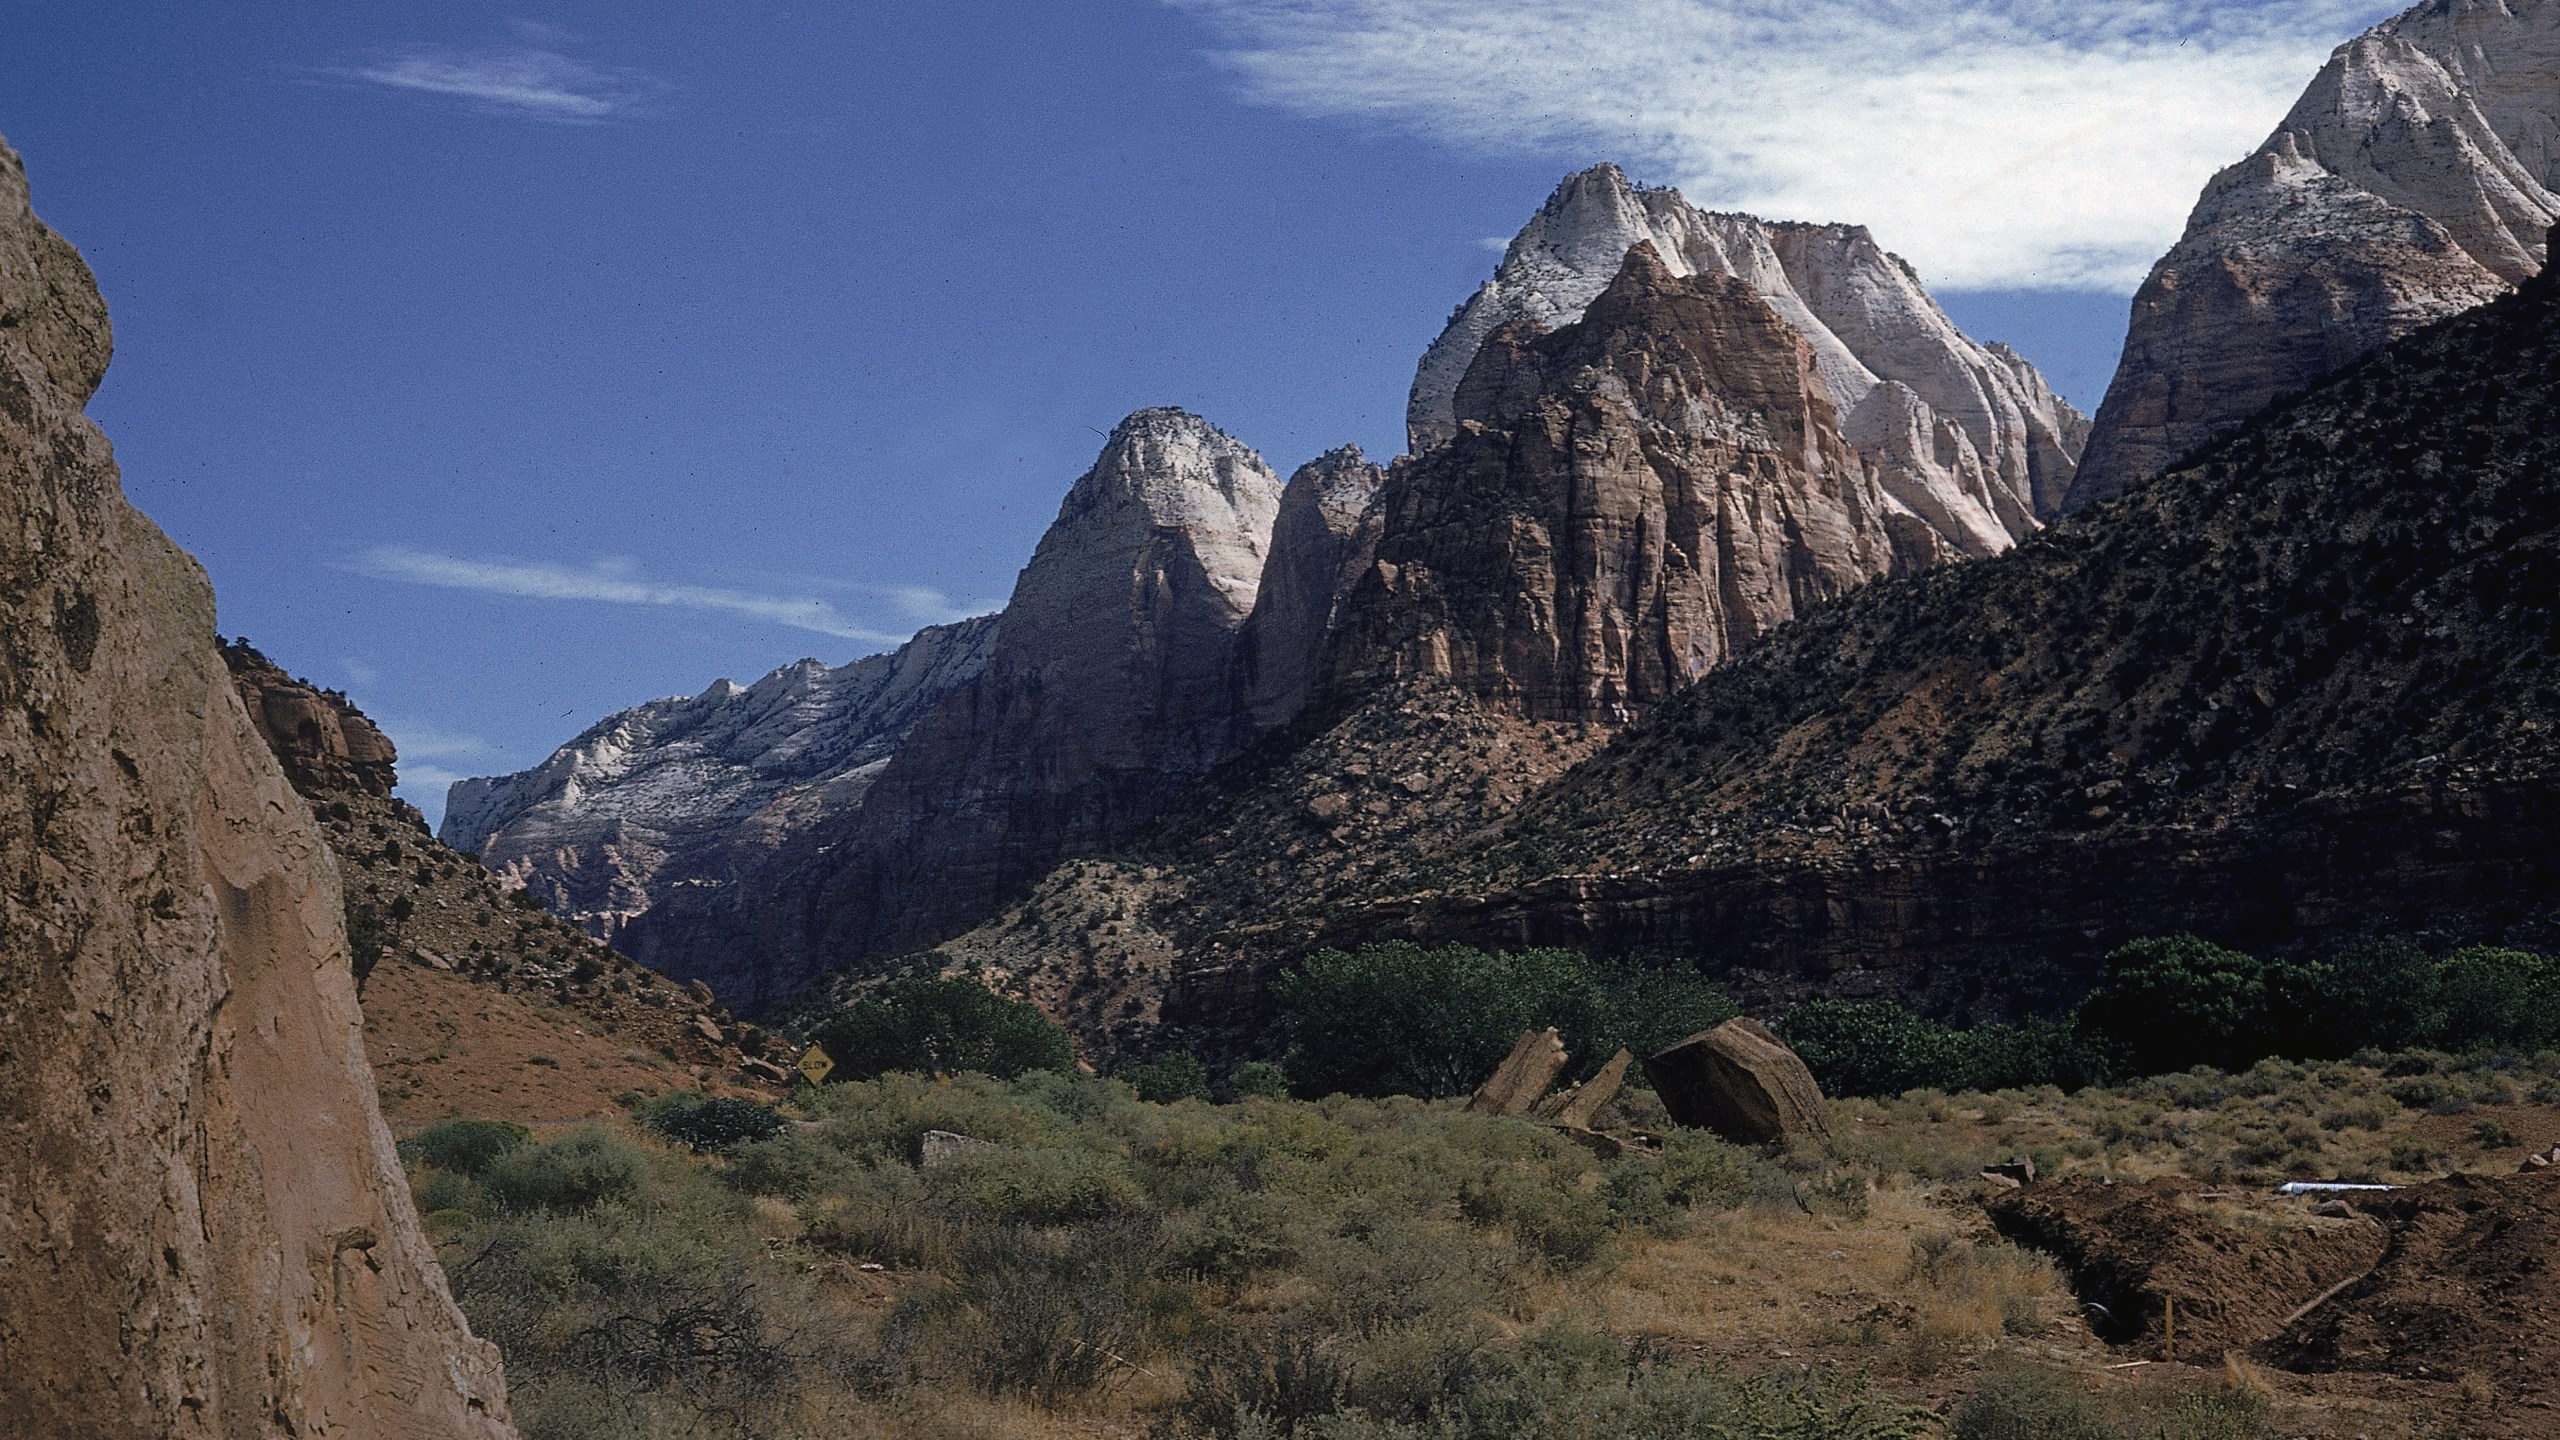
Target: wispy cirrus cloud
x=1997 y=143
x=532 y=79
x=619 y=582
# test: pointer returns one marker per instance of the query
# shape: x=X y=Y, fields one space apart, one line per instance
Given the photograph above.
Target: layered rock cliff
x=698 y=792
x=204 y=1226
x=1971 y=427
x=1626 y=501
x=2414 y=180
x=1112 y=681
x=2299 y=692
x=1322 y=541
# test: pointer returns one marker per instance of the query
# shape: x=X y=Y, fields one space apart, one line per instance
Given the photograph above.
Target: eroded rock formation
x=1111 y=682
x=1625 y=502
x=1968 y=434
x=700 y=792
x=204 y=1227
x=2412 y=181
x=1322 y=540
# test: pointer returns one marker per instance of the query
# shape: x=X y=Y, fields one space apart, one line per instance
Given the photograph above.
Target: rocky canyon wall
x=2414 y=180
x=1626 y=501
x=1112 y=681
x=698 y=793
x=1973 y=426
x=204 y=1228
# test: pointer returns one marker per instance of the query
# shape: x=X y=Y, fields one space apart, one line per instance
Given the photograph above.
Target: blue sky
x=509 y=365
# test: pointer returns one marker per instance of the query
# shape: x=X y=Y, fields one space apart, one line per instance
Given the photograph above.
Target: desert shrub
x=1258 y=1079
x=715 y=1127
x=1562 y=1386
x=1399 y=1019
x=2031 y=1404
x=574 y=1173
x=787 y=1166
x=466 y=1147
x=364 y=939
x=1047 y=1313
x=941 y=1027
x=1699 y=1170
x=1036 y=1187
x=1167 y=1078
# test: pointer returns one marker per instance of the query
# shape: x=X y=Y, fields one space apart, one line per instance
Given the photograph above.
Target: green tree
x=941 y=1027
x=2174 y=1002
x=1167 y=1078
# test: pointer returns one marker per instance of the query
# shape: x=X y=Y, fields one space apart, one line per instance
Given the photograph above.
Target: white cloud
x=1996 y=143
x=615 y=582
x=524 y=81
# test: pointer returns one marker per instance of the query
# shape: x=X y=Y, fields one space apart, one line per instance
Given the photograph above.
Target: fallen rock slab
x=1579 y=1108
x=1743 y=1083
x=1523 y=1078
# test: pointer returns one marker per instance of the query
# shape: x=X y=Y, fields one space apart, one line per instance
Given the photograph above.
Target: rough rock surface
x=1743 y=1083
x=206 y=1231
x=1322 y=541
x=2412 y=181
x=1522 y=1079
x=325 y=743
x=1627 y=501
x=700 y=791
x=473 y=1003
x=1112 y=681
x=1971 y=426
x=2293 y=695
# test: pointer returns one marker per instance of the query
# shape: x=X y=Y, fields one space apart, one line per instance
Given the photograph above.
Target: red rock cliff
x=203 y=1228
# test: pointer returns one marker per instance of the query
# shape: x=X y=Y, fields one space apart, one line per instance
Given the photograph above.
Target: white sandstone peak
x=1866 y=315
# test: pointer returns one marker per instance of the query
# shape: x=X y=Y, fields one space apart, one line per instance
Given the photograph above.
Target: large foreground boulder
x=1741 y=1082
x=204 y=1230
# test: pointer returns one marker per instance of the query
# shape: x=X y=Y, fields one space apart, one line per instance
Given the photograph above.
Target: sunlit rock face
x=700 y=790
x=1624 y=503
x=1322 y=541
x=204 y=1227
x=2413 y=180
x=1111 y=682
x=1968 y=433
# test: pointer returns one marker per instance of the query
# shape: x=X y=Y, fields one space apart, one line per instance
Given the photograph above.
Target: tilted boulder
x=1579 y=1108
x=1743 y=1083
x=1522 y=1081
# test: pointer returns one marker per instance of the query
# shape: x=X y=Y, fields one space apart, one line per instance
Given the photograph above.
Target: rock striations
x=1112 y=680
x=1625 y=502
x=1322 y=542
x=2300 y=691
x=701 y=791
x=2413 y=180
x=205 y=1229
x=1971 y=426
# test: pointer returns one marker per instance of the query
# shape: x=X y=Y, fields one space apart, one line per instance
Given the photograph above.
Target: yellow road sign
x=815 y=1063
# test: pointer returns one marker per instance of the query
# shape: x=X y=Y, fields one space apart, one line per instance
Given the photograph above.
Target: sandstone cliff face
x=2414 y=180
x=1972 y=426
x=1626 y=501
x=1112 y=681
x=697 y=792
x=205 y=1229
x=1322 y=541
x=2299 y=692
x=324 y=742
